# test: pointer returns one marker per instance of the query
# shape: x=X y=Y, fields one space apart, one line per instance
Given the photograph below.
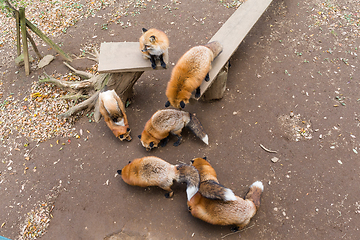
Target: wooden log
x=123 y=84
x=33 y=45
x=24 y=40
x=18 y=43
x=217 y=88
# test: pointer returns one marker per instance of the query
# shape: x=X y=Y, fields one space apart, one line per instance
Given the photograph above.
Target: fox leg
x=197 y=93
x=163 y=64
x=178 y=142
x=164 y=141
x=170 y=192
x=207 y=77
x=153 y=62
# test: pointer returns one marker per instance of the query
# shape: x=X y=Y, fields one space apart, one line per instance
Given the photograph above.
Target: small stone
x=339 y=161
x=45 y=61
x=274 y=159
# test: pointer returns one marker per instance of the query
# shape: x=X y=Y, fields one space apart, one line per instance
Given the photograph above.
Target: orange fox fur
x=113 y=110
x=166 y=121
x=154 y=44
x=209 y=184
x=218 y=212
x=153 y=171
x=189 y=72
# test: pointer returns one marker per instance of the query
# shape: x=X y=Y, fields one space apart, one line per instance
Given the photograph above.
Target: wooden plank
x=118 y=57
x=231 y=34
x=24 y=40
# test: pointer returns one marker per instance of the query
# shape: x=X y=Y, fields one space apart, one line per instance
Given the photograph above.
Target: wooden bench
x=230 y=35
x=126 y=64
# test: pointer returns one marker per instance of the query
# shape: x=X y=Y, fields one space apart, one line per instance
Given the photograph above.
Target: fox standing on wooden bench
x=153 y=45
x=113 y=110
x=189 y=72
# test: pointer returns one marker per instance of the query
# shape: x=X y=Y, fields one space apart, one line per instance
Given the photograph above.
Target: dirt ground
x=293 y=87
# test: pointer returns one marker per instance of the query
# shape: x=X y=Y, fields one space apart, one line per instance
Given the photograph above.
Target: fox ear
x=151 y=145
x=144 y=30
x=129 y=162
x=167 y=104
x=128 y=129
x=182 y=104
x=139 y=136
x=152 y=39
x=119 y=172
x=192 y=161
x=204 y=158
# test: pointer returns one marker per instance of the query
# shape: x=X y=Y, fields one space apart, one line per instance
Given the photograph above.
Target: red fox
x=209 y=184
x=189 y=72
x=237 y=212
x=153 y=171
x=113 y=110
x=166 y=121
x=153 y=45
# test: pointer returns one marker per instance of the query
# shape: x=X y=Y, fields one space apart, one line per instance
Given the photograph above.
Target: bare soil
x=279 y=81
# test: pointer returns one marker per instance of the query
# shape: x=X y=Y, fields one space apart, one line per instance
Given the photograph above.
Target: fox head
x=206 y=171
x=122 y=132
x=148 y=141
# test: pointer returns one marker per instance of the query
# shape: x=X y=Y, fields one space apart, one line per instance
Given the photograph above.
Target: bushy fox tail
x=255 y=192
x=213 y=190
x=215 y=47
x=191 y=177
x=196 y=127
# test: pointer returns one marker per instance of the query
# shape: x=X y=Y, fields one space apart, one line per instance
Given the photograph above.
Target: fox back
x=149 y=171
x=113 y=110
x=161 y=124
x=218 y=212
x=189 y=72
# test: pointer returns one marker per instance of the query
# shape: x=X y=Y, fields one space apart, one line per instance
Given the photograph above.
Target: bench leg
x=217 y=88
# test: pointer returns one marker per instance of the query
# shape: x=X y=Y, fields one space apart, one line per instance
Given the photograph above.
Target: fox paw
x=153 y=65
x=163 y=64
x=169 y=194
x=207 y=77
x=235 y=229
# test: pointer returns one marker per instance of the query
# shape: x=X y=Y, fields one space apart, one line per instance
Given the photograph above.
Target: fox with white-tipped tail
x=166 y=121
x=236 y=212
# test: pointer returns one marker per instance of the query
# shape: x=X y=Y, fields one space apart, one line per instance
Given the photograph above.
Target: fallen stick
x=268 y=150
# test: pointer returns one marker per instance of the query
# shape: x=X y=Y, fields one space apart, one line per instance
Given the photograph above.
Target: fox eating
x=189 y=72
x=113 y=110
x=153 y=45
x=153 y=171
x=166 y=121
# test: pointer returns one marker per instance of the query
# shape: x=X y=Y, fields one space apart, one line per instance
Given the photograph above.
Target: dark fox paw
x=163 y=64
x=169 y=194
x=207 y=77
x=235 y=229
x=177 y=143
x=153 y=65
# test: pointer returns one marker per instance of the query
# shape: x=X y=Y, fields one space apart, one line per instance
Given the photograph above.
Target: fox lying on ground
x=153 y=45
x=113 y=110
x=189 y=72
x=166 y=121
x=237 y=212
x=153 y=171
